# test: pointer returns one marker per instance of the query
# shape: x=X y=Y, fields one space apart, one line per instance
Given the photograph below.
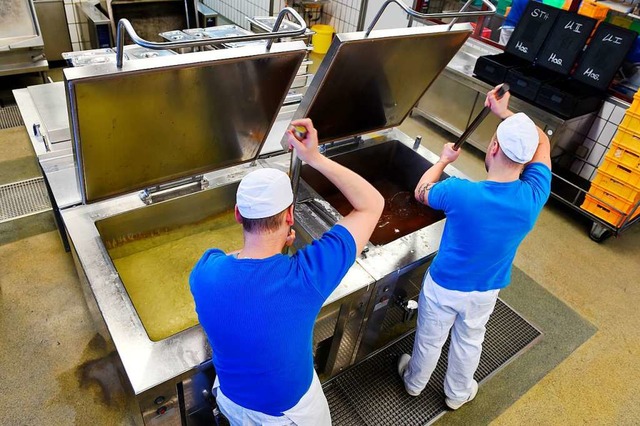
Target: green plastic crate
x=555 y=3
x=501 y=7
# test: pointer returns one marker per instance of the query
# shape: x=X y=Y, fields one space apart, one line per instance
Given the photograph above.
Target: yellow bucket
x=321 y=40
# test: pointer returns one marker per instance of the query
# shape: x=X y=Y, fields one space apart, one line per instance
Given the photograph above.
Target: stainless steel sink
x=407 y=235
x=154 y=248
x=394 y=169
x=387 y=160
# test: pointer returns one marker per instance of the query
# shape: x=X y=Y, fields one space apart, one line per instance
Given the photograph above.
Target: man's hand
x=498 y=107
x=307 y=149
x=449 y=155
x=432 y=175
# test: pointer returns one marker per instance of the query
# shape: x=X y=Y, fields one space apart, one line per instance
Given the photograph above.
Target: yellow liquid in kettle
x=155 y=270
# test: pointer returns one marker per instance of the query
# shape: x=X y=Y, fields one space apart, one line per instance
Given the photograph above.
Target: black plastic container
x=526 y=82
x=493 y=69
x=557 y=55
x=569 y=98
x=532 y=31
x=523 y=46
x=602 y=59
x=565 y=42
x=585 y=90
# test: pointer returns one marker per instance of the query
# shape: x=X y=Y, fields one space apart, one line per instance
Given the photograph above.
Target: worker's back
x=259 y=316
x=486 y=222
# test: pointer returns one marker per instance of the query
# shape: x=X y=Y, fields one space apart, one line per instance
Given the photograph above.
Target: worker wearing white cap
x=486 y=222
x=258 y=307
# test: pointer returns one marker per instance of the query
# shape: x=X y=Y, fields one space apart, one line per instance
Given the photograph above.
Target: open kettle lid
x=370 y=83
x=174 y=117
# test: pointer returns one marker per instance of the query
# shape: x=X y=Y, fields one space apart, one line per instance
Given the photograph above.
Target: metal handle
x=417 y=142
x=462 y=9
x=125 y=25
x=414 y=14
x=483 y=114
x=280 y=18
x=410 y=307
x=47 y=146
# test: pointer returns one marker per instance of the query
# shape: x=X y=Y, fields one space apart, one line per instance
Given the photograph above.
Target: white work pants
x=505 y=35
x=311 y=410
x=438 y=310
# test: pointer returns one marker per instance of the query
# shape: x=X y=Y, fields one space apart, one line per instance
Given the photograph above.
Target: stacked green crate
x=501 y=8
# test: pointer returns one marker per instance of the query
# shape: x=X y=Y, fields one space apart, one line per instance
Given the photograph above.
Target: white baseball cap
x=264 y=193
x=518 y=138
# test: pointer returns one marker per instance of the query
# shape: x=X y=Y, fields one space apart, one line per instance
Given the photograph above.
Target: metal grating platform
x=372 y=393
x=23 y=199
x=10 y=117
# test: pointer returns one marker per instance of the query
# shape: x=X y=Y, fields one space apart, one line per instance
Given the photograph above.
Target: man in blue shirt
x=486 y=222
x=512 y=19
x=258 y=307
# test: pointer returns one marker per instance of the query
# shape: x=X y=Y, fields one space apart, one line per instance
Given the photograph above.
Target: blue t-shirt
x=515 y=13
x=486 y=222
x=259 y=316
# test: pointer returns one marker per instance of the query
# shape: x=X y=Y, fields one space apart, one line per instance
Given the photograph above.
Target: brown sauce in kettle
x=402 y=214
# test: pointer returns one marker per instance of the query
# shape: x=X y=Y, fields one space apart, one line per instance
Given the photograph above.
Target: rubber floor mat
x=371 y=393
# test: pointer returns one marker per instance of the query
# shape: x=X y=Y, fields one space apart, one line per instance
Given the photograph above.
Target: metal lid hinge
x=174 y=189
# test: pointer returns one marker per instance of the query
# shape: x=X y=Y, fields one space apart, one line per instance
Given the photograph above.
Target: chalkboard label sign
x=604 y=55
x=531 y=31
x=565 y=42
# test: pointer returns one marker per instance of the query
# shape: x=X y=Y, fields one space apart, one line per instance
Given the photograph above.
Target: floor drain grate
x=10 y=117
x=372 y=393
x=23 y=199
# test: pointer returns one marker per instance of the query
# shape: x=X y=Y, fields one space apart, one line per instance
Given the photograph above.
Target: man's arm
x=543 y=152
x=433 y=174
x=366 y=200
x=501 y=109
